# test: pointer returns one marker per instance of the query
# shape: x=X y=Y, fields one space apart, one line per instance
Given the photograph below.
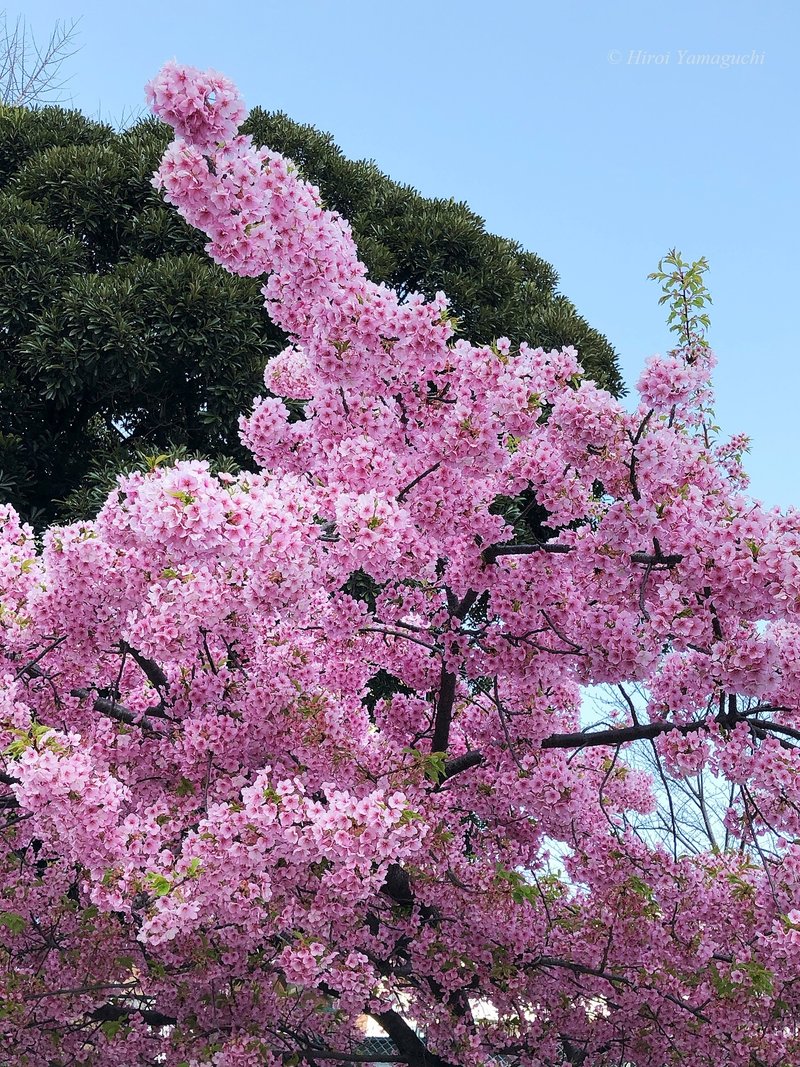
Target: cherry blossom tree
x=288 y=749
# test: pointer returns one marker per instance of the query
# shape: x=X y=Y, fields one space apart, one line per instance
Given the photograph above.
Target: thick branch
x=489 y=555
x=119 y=1012
x=618 y=736
x=117 y=711
x=149 y=667
x=447 y=685
x=414 y=1050
x=397 y=885
x=656 y=559
x=461 y=763
x=652 y=559
x=444 y=711
x=647 y=731
x=778 y=727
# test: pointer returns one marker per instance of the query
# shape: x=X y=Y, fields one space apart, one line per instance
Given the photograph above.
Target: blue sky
x=593 y=133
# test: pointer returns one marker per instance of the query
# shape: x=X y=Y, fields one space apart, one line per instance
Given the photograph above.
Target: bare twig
x=30 y=73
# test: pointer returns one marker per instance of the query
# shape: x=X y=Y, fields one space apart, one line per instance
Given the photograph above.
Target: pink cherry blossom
x=286 y=749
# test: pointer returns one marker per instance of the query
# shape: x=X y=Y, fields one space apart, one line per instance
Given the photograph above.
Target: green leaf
x=159 y=884
x=520 y=890
x=760 y=977
x=13 y=922
x=434 y=766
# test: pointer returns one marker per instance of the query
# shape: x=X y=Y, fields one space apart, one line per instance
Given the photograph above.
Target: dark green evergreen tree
x=120 y=340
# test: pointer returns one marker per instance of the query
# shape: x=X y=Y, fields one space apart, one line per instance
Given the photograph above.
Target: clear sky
x=591 y=132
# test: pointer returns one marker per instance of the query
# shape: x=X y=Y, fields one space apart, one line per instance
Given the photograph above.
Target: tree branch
x=118 y=1012
x=408 y=1043
x=490 y=554
x=447 y=684
x=407 y=489
x=149 y=667
x=118 y=712
x=444 y=711
x=652 y=559
x=647 y=731
x=461 y=763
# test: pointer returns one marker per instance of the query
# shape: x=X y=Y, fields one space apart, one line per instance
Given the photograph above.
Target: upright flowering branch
x=293 y=748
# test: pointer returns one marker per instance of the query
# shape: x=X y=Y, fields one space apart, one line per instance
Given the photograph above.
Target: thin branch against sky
x=31 y=69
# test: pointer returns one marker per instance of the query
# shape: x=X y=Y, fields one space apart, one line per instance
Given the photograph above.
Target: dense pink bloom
x=204 y=107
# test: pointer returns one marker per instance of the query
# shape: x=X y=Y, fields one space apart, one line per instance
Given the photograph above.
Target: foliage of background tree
x=121 y=340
